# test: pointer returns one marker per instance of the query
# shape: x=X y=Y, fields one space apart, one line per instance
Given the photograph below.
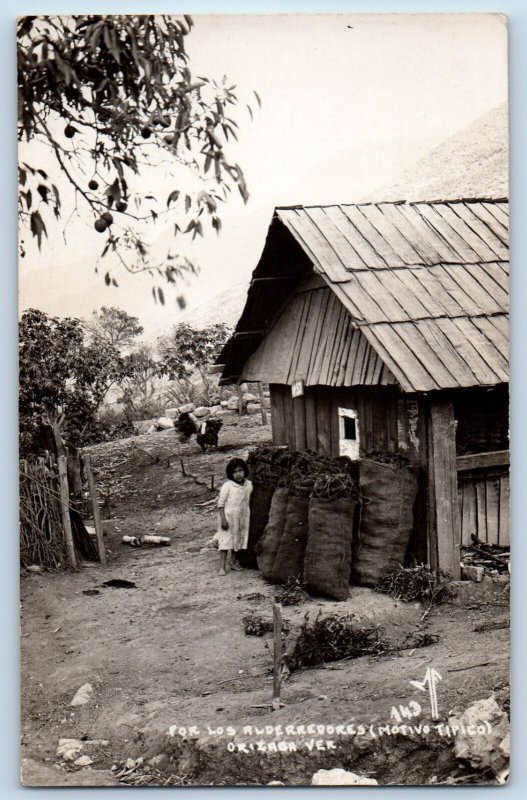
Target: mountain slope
x=471 y=163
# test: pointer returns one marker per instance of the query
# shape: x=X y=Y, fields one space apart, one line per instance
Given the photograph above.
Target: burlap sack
x=327 y=562
x=386 y=519
x=267 y=545
x=289 y=559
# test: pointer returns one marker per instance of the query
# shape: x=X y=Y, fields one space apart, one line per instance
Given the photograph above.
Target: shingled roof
x=425 y=285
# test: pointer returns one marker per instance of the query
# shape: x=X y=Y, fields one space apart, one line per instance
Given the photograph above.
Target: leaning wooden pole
x=277 y=665
x=95 y=507
x=65 y=509
x=262 y=403
x=240 y=398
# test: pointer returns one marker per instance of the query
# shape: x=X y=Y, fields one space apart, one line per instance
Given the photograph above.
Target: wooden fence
x=42 y=538
x=483 y=493
x=47 y=537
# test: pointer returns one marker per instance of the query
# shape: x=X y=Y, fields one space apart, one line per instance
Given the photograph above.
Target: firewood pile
x=492 y=557
x=306 y=473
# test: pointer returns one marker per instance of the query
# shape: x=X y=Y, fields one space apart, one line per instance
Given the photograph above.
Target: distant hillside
x=471 y=163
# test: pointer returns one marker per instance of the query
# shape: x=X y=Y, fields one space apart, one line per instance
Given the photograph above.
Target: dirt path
x=172 y=650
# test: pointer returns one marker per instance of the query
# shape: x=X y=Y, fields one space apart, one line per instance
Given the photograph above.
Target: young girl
x=233 y=507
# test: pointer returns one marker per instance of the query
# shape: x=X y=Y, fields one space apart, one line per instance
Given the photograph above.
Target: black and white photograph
x=264 y=399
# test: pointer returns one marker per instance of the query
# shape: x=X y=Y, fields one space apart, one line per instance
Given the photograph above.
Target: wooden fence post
x=240 y=398
x=95 y=506
x=277 y=665
x=262 y=404
x=444 y=508
x=65 y=509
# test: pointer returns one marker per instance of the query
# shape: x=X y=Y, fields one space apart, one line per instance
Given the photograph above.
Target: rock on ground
x=82 y=695
x=69 y=749
x=201 y=411
x=165 y=423
x=340 y=777
x=83 y=761
x=483 y=739
x=160 y=761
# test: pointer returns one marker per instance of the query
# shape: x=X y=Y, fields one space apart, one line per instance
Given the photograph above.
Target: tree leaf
x=161 y=295
x=56 y=196
x=43 y=192
x=173 y=196
x=37 y=227
x=243 y=191
x=107 y=279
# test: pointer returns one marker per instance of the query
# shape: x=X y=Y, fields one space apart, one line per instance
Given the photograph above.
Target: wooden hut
x=385 y=327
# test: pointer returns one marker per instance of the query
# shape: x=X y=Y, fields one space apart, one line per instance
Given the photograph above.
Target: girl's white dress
x=234 y=499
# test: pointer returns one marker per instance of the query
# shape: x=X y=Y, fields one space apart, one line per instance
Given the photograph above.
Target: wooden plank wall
x=483 y=497
x=483 y=488
x=311 y=420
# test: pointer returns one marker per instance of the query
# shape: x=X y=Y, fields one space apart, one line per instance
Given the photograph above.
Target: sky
x=348 y=102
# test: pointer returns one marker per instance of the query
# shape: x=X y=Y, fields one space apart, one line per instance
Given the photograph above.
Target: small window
x=350 y=428
x=348 y=433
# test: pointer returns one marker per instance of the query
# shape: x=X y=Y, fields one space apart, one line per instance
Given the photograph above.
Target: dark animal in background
x=186 y=426
x=206 y=432
x=207 y=438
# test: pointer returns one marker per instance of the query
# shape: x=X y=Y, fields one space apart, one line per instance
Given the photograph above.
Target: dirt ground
x=172 y=650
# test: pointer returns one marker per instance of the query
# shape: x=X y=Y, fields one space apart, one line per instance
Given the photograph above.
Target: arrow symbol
x=430 y=680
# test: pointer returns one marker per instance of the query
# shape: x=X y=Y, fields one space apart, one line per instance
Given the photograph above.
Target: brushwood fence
x=42 y=540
